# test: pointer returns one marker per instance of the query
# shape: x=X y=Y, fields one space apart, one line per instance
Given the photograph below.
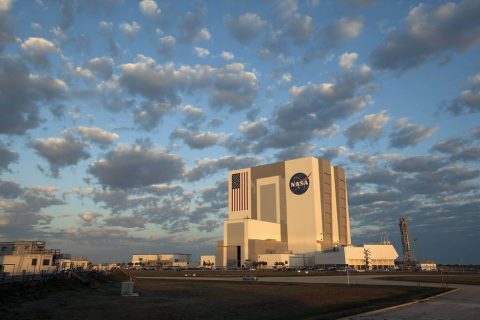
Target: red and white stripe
x=240 y=195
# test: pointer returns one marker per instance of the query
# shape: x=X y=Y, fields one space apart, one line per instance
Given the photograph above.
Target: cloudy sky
x=120 y=119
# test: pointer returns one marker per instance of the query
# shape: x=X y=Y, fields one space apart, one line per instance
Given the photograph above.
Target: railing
x=31 y=251
x=6 y=277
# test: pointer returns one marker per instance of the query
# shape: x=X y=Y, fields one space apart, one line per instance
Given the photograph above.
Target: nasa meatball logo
x=299 y=183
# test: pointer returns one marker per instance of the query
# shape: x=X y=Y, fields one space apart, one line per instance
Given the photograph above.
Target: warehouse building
x=297 y=207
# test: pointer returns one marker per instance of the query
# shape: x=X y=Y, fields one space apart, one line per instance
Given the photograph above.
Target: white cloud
x=227 y=55
x=347 y=60
x=286 y=77
x=37 y=50
x=193 y=114
x=97 y=135
x=202 y=52
x=36 y=26
x=149 y=8
x=5 y=5
x=89 y=216
x=168 y=41
x=130 y=29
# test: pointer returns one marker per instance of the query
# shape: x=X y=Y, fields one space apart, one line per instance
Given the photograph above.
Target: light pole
x=348 y=276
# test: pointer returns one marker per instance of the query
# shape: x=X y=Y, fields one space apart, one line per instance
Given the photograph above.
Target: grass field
x=180 y=299
x=259 y=273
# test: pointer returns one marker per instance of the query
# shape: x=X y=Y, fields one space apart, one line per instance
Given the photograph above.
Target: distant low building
x=284 y=260
x=207 y=262
x=104 y=266
x=27 y=257
x=428 y=265
x=367 y=256
x=162 y=260
x=67 y=262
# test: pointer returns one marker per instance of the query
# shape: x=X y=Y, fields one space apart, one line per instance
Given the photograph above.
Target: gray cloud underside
x=315 y=107
x=61 y=152
x=6 y=35
x=23 y=94
x=333 y=37
x=206 y=167
x=10 y=189
x=129 y=166
x=229 y=85
x=429 y=33
x=198 y=140
x=244 y=27
x=369 y=128
x=21 y=209
x=7 y=157
x=468 y=101
x=192 y=25
x=407 y=134
x=149 y=115
x=459 y=148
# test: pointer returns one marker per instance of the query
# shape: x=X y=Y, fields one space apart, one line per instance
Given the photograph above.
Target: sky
x=119 y=120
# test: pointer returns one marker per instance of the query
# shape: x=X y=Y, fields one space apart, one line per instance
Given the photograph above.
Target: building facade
x=364 y=257
x=69 y=262
x=207 y=262
x=292 y=207
x=26 y=257
x=164 y=259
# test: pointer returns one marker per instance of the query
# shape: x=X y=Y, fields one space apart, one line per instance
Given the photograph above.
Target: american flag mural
x=239 y=191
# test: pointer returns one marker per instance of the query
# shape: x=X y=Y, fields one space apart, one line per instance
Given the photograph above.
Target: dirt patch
x=181 y=299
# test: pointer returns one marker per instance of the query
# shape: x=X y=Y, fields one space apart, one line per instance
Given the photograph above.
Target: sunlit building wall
x=292 y=207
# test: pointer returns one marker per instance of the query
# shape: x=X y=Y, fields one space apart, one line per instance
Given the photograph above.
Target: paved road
x=460 y=304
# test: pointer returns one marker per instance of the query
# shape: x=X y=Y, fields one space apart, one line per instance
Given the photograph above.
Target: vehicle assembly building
x=295 y=208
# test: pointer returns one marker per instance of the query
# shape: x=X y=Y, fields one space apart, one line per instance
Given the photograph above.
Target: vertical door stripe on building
x=239 y=191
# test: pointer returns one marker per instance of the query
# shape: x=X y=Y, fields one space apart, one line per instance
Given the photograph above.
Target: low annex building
x=69 y=262
x=163 y=259
x=207 y=262
x=296 y=208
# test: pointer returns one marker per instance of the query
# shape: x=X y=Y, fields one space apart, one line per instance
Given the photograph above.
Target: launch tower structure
x=407 y=251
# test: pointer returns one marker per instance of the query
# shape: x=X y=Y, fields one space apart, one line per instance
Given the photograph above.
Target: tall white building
x=293 y=213
x=292 y=207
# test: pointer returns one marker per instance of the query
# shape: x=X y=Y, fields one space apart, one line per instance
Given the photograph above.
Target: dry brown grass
x=473 y=279
x=190 y=299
